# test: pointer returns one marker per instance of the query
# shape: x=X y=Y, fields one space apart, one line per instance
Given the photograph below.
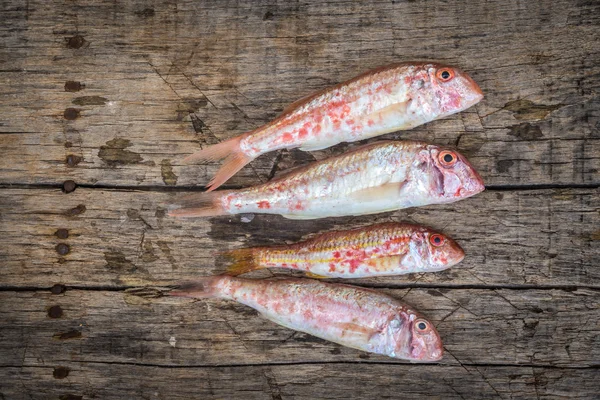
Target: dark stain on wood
x=71 y=113
x=469 y=144
x=70 y=397
x=145 y=13
x=55 y=312
x=435 y=293
x=527 y=110
x=189 y=107
x=90 y=101
x=164 y=247
x=78 y=210
x=62 y=249
x=148 y=255
x=72 y=160
x=116 y=261
x=62 y=233
x=113 y=153
x=160 y=213
x=504 y=165
x=526 y=131
x=197 y=123
x=166 y=171
x=60 y=372
x=69 y=186
x=73 y=86
x=76 y=42
x=58 y=289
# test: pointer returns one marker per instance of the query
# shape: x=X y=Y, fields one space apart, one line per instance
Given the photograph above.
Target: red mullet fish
x=356 y=317
x=378 y=177
x=377 y=250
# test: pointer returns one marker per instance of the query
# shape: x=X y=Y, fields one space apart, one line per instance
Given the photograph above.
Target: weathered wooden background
x=113 y=94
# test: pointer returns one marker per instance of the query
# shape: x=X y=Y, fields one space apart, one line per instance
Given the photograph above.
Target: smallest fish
x=378 y=250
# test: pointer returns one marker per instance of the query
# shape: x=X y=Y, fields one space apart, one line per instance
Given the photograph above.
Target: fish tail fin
x=198 y=205
x=232 y=164
x=230 y=150
x=243 y=260
x=203 y=288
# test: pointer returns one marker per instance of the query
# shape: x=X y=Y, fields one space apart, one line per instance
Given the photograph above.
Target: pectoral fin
x=392 y=118
x=387 y=190
x=354 y=329
x=392 y=111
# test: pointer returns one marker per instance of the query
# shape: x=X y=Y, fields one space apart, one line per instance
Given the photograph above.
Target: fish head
x=443 y=90
x=434 y=251
x=417 y=339
x=444 y=176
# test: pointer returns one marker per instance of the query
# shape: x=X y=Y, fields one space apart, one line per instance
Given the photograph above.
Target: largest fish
x=387 y=99
x=356 y=317
x=383 y=176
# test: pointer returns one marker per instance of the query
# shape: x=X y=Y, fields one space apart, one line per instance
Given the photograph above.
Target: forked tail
x=230 y=150
x=243 y=260
x=198 y=205
x=202 y=288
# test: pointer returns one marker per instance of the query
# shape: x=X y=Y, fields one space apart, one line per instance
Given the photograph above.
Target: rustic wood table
x=101 y=100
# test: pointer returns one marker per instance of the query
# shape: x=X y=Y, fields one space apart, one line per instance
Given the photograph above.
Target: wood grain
x=323 y=381
x=124 y=238
x=113 y=95
x=159 y=84
x=521 y=327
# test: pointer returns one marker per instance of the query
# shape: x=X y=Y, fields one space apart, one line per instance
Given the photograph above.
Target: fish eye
x=436 y=240
x=422 y=325
x=447 y=158
x=445 y=74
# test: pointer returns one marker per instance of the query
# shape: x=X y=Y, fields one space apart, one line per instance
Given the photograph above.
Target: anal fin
x=386 y=190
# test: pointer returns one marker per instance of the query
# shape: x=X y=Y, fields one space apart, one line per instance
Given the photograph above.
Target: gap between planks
x=107 y=288
x=292 y=363
x=156 y=188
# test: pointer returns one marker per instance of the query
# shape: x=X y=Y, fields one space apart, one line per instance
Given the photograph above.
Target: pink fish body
x=351 y=316
x=378 y=250
x=383 y=176
x=387 y=99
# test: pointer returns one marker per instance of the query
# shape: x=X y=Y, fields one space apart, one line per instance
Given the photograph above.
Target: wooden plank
x=116 y=93
x=124 y=238
x=478 y=327
x=159 y=81
x=324 y=381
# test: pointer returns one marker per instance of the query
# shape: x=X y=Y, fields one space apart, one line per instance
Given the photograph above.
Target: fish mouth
x=437 y=355
x=475 y=181
x=457 y=257
x=434 y=356
x=478 y=186
x=474 y=93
